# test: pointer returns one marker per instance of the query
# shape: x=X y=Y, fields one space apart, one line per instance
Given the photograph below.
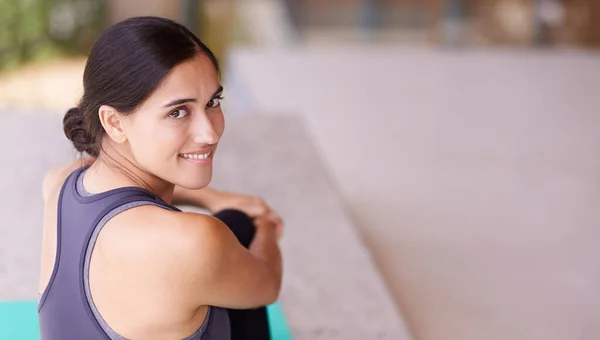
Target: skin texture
x=153 y=272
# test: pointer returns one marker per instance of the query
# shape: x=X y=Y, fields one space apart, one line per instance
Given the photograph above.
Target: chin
x=195 y=185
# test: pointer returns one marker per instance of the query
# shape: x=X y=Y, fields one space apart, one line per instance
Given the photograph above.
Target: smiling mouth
x=194 y=156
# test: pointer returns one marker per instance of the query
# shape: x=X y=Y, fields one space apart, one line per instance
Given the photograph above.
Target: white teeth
x=196 y=156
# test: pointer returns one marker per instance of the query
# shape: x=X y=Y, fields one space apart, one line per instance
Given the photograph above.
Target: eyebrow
x=192 y=100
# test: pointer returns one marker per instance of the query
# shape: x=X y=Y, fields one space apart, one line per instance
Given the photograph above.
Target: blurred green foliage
x=40 y=29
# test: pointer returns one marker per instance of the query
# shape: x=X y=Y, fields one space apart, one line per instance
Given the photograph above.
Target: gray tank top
x=66 y=309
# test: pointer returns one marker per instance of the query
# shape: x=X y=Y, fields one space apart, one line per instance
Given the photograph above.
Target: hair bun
x=75 y=130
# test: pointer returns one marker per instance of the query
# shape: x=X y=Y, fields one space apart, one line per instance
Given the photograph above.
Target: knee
x=234 y=216
x=239 y=223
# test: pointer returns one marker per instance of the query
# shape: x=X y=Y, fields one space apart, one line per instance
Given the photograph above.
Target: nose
x=204 y=131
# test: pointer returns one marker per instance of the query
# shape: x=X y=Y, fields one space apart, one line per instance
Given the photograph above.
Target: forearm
x=265 y=246
x=200 y=197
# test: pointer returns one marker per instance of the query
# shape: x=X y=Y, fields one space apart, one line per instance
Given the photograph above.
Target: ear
x=112 y=121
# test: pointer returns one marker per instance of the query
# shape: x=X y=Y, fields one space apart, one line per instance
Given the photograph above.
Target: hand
x=263 y=222
x=255 y=207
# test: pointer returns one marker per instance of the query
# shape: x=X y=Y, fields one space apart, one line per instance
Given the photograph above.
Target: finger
x=274 y=217
x=261 y=221
x=277 y=223
x=268 y=222
x=279 y=230
x=255 y=210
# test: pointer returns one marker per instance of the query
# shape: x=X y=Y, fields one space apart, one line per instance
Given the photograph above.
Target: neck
x=117 y=168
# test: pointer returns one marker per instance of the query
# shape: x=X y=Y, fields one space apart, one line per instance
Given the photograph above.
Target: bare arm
x=241 y=278
x=200 y=197
x=220 y=271
x=216 y=200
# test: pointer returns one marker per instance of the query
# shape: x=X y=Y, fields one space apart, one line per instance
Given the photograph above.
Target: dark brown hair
x=125 y=66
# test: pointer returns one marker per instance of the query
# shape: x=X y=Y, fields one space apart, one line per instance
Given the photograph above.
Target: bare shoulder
x=165 y=230
x=173 y=250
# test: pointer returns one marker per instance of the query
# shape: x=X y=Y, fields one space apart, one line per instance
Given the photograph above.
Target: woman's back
x=132 y=297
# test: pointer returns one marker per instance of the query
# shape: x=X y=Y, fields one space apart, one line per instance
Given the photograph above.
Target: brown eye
x=215 y=102
x=178 y=114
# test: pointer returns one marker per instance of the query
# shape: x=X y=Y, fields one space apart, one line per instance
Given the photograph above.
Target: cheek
x=152 y=143
x=218 y=123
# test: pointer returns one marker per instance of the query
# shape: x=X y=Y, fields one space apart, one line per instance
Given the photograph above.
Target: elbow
x=270 y=288
x=275 y=292
x=274 y=289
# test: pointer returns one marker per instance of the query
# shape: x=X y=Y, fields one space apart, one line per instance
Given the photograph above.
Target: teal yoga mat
x=18 y=321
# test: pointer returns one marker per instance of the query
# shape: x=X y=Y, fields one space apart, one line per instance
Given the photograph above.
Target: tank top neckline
x=91 y=197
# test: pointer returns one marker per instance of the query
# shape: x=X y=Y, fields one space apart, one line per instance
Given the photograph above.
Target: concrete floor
x=474 y=176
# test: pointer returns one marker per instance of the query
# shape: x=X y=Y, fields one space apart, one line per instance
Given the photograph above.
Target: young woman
x=119 y=260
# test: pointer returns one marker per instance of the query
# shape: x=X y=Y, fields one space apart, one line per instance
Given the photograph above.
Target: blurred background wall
x=462 y=134
x=52 y=30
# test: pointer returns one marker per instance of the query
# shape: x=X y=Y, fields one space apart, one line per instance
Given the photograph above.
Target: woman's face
x=174 y=134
